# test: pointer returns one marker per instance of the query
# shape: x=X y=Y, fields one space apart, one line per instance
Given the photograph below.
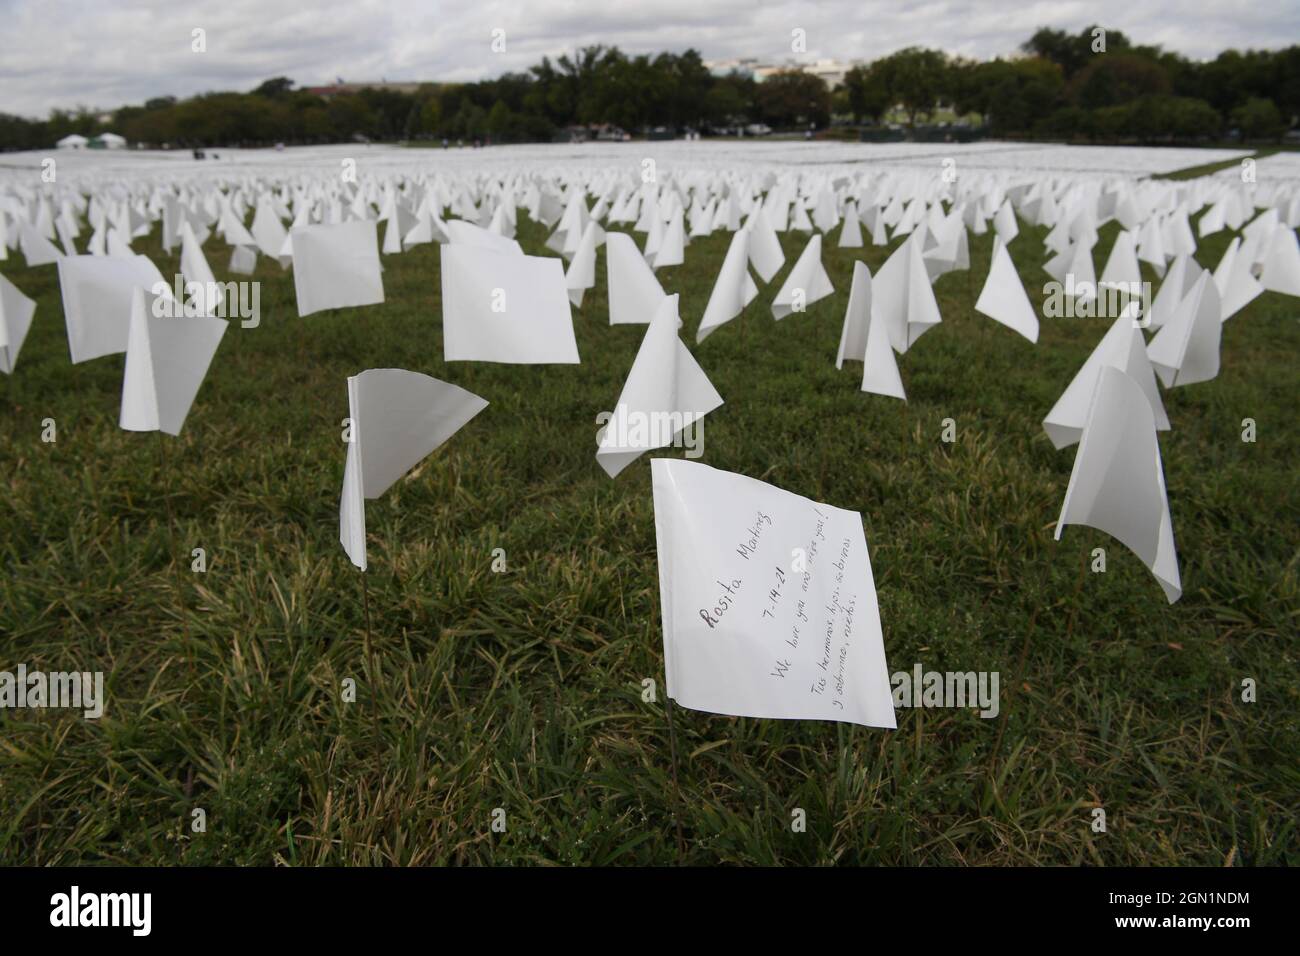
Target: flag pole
x=672 y=749
x=171 y=540
x=370 y=654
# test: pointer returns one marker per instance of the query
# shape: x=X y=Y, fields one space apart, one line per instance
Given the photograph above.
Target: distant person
x=445 y=144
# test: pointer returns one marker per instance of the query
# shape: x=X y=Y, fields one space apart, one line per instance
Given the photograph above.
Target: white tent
x=72 y=141
x=112 y=141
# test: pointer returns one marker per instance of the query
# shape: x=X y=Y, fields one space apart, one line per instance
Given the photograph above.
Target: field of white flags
x=667 y=502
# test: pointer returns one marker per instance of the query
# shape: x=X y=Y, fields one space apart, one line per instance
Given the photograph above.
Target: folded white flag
x=1237 y=286
x=769 y=605
x=1003 y=297
x=396 y=417
x=764 y=248
x=268 y=231
x=880 y=369
x=336 y=267
x=200 y=284
x=1186 y=349
x=166 y=361
x=733 y=290
x=902 y=296
x=97 y=293
x=464 y=233
x=503 y=307
x=665 y=392
x=16 y=311
x=581 y=274
x=37 y=250
x=1121 y=347
x=857 y=317
x=1118 y=482
x=806 y=283
x=634 y=292
x=1281 y=271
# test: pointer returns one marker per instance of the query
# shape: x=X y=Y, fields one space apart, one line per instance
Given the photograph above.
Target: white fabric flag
x=880 y=369
x=1178 y=281
x=463 y=233
x=581 y=274
x=665 y=392
x=1281 y=271
x=1122 y=347
x=201 y=284
x=1118 y=482
x=903 y=297
x=733 y=290
x=243 y=260
x=16 y=311
x=1237 y=287
x=97 y=292
x=806 y=283
x=765 y=253
x=504 y=307
x=397 y=417
x=749 y=633
x=336 y=267
x=37 y=250
x=634 y=292
x=1186 y=349
x=1121 y=268
x=671 y=250
x=857 y=317
x=851 y=230
x=167 y=359
x=1003 y=297
x=268 y=231
x=1004 y=222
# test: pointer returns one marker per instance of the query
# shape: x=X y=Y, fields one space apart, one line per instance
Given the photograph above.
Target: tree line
x=1095 y=85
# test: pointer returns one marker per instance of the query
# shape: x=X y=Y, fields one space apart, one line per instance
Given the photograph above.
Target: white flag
x=733 y=290
x=167 y=358
x=665 y=392
x=503 y=307
x=857 y=317
x=634 y=292
x=97 y=293
x=1118 y=482
x=1123 y=348
x=769 y=605
x=397 y=418
x=16 y=311
x=1003 y=297
x=336 y=267
x=1186 y=349
x=902 y=296
x=806 y=283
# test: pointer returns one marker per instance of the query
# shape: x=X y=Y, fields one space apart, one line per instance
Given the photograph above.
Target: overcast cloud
x=106 y=53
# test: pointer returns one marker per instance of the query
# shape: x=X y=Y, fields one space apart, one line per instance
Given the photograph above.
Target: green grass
x=522 y=690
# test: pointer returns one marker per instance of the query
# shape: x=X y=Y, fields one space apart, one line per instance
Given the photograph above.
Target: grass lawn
x=523 y=690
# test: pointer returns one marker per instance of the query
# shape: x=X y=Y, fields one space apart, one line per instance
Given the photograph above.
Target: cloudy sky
x=105 y=53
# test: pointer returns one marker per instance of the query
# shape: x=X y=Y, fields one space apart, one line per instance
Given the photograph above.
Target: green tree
x=915 y=78
x=1258 y=118
x=794 y=98
x=868 y=92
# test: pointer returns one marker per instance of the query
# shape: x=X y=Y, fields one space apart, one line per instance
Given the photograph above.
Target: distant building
x=831 y=72
x=73 y=141
x=107 y=141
